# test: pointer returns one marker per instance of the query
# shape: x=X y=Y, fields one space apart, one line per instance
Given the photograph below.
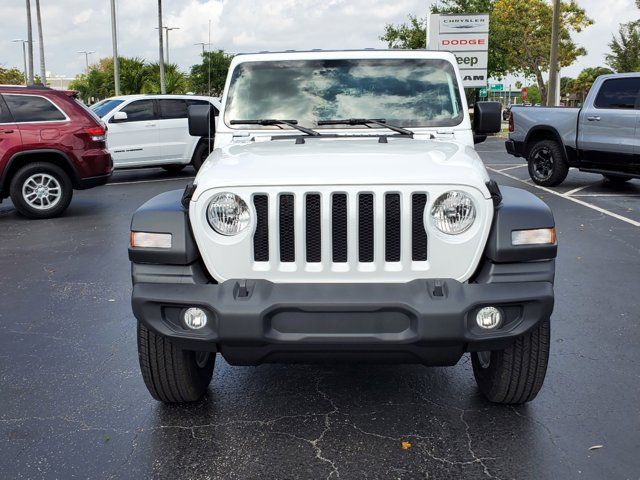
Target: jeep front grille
x=344 y=209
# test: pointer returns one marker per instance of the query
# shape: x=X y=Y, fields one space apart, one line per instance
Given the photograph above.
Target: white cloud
x=243 y=25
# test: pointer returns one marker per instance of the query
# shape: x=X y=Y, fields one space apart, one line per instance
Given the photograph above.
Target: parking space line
x=503 y=164
x=607 y=195
x=571 y=199
x=149 y=181
x=511 y=168
x=576 y=190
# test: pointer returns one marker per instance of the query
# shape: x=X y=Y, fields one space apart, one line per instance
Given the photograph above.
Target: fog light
x=488 y=318
x=194 y=318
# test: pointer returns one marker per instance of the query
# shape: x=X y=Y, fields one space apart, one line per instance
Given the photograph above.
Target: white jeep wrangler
x=344 y=215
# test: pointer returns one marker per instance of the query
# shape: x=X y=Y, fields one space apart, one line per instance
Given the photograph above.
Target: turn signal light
x=150 y=240
x=538 y=236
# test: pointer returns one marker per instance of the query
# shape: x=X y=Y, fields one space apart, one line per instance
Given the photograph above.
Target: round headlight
x=228 y=214
x=453 y=212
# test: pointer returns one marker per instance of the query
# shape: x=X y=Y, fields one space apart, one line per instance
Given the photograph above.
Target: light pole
x=24 y=58
x=163 y=85
x=553 y=97
x=167 y=30
x=86 y=57
x=203 y=45
x=114 y=41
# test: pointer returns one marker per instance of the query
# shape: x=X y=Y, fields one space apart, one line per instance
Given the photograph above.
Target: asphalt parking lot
x=74 y=404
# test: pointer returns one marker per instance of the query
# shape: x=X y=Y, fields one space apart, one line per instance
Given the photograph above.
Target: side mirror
x=202 y=121
x=119 y=117
x=487 y=118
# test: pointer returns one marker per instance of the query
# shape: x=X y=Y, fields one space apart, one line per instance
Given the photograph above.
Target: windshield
x=405 y=92
x=105 y=106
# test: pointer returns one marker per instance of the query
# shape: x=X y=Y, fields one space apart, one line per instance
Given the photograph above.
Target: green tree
x=523 y=36
x=208 y=77
x=175 y=81
x=410 y=35
x=11 y=76
x=625 y=50
x=519 y=34
x=533 y=95
x=585 y=79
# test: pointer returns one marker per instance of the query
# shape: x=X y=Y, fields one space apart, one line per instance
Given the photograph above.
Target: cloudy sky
x=241 y=26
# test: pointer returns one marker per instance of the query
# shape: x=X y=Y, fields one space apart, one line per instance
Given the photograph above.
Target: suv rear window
x=31 y=108
x=619 y=93
x=172 y=108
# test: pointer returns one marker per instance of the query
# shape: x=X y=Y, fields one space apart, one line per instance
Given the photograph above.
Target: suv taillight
x=511 y=125
x=97 y=134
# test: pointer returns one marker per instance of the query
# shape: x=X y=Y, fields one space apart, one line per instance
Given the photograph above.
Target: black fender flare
x=67 y=165
x=519 y=210
x=547 y=129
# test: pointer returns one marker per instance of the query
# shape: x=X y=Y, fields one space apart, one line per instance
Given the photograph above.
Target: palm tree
x=43 y=71
x=29 y=44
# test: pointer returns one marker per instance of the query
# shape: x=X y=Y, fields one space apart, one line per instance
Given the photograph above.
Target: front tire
x=41 y=190
x=172 y=375
x=516 y=374
x=547 y=165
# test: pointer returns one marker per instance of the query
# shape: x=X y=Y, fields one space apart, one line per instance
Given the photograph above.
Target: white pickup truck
x=344 y=215
x=601 y=137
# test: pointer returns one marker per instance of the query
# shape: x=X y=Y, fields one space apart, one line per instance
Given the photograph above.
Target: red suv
x=50 y=144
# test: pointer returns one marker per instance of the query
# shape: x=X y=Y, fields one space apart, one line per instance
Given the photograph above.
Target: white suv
x=152 y=130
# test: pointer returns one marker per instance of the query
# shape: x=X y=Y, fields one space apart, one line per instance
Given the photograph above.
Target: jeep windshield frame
x=406 y=92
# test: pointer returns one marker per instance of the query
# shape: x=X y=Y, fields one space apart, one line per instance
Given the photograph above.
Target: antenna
x=209 y=85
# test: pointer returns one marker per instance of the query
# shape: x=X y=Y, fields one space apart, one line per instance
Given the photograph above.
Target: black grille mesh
x=418 y=233
x=365 y=227
x=261 y=237
x=339 y=230
x=313 y=231
x=287 y=229
x=392 y=227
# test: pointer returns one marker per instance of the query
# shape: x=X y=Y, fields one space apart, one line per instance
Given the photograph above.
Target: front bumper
x=424 y=321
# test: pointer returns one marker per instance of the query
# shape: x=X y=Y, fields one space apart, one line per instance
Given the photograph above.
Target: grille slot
x=313 y=231
x=339 y=227
x=365 y=227
x=287 y=229
x=392 y=223
x=343 y=229
x=418 y=232
x=261 y=235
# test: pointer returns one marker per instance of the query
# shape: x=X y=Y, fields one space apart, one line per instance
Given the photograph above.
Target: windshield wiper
x=275 y=121
x=366 y=121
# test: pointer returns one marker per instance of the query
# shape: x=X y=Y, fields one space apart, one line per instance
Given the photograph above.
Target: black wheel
x=547 y=166
x=173 y=168
x=172 y=375
x=200 y=155
x=617 y=178
x=41 y=190
x=514 y=375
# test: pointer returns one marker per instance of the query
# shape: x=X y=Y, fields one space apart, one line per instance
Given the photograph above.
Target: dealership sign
x=467 y=37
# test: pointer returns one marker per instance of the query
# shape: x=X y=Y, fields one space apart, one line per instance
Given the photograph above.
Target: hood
x=343 y=161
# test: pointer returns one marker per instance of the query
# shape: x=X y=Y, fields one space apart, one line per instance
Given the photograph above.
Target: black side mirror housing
x=487 y=119
x=202 y=121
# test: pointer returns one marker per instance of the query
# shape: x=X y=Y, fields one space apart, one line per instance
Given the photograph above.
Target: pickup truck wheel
x=514 y=375
x=172 y=375
x=547 y=166
x=173 y=168
x=41 y=190
x=617 y=178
